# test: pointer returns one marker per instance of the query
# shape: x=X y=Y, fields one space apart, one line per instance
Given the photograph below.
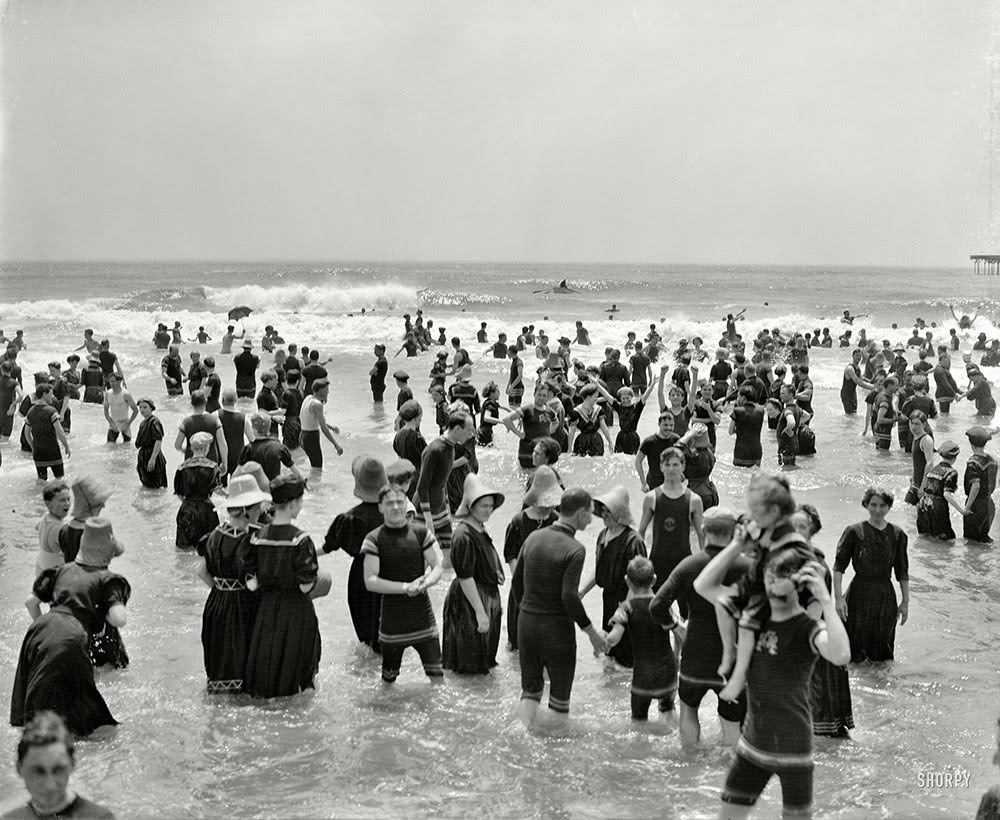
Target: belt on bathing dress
x=229 y=584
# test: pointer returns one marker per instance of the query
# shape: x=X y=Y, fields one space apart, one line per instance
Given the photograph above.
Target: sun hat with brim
x=369 y=478
x=698 y=430
x=256 y=472
x=545 y=490
x=899 y=348
x=247 y=343
x=98 y=545
x=979 y=435
x=949 y=448
x=402 y=375
x=88 y=495
x=245 y=492
x=615 y=501
x=473 y=490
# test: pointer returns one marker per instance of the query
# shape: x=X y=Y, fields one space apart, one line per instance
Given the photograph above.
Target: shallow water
x=355 y=748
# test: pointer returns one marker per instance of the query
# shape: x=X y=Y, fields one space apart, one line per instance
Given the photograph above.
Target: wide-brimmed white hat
x=545 y=490
x=615 y=501
x=474 y=489
x=245 y=492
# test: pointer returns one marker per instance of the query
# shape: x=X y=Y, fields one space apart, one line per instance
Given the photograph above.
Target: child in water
x=770 y=503
x=654 y=670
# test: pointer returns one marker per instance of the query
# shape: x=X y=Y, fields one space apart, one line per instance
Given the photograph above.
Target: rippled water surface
x=355 y=748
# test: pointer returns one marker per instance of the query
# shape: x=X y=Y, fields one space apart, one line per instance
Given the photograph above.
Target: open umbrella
x=240 y=312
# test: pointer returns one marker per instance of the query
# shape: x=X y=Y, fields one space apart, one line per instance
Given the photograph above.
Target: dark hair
x=746 y=391
x=810 y=512
x=314 y=355
x=640 y=571
x=292 y=377
x=209 y=361
x=456 y=419
x=672 y=452
x=785 y=562
x=52 y=488
x=42 y=389
x=919 y=415
x=587 y=391
x=574 y=500
x=550 y=448
x=881 y=492
x=391 y=487
x=455 y=340
x=804 y=369
x=44 y=729
x=320 y=384
x=72 y=357
x=198 y=398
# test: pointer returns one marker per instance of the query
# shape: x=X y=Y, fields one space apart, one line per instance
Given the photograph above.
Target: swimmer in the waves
x=562 y=287
x=612 y=309
x=964 y=321
x=848 y=319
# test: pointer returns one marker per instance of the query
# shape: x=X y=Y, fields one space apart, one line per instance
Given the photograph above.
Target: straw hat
x=615 y=501
x=247 y=343
x=88 y=494
x=245 y=492
x=369 y=478
x=699 y=430
x=255 y=471
x=473 y=490
x=545 y=490
x=98 y=545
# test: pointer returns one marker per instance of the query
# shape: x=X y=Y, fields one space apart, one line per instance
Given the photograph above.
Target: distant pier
x=986 y=264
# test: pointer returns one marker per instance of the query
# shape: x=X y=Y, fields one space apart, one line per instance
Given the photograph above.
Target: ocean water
x=353 y=748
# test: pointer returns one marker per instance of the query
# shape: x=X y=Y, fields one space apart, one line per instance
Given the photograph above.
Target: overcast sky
x=828 y=131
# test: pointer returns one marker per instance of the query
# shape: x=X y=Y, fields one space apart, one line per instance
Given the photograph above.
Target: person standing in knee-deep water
x=874 y=548
x=284 y=653
x=44 y=434
x=472 y=615
x=401 y=563
x=195 y=481
x=617 y=544
x=313 y=421
x=980 y=482
x=231 y=609
x=938 y=493
x=151 y=463
x=546 y=585
x=376 y=376
x=347 y=533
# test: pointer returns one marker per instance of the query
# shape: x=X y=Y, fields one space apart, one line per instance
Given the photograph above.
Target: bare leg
x=526 y=711
x=729 y=811
x=690 y=728
x=730 y=731
x=744 y=654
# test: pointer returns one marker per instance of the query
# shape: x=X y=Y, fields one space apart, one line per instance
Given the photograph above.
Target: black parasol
x=240 y=312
